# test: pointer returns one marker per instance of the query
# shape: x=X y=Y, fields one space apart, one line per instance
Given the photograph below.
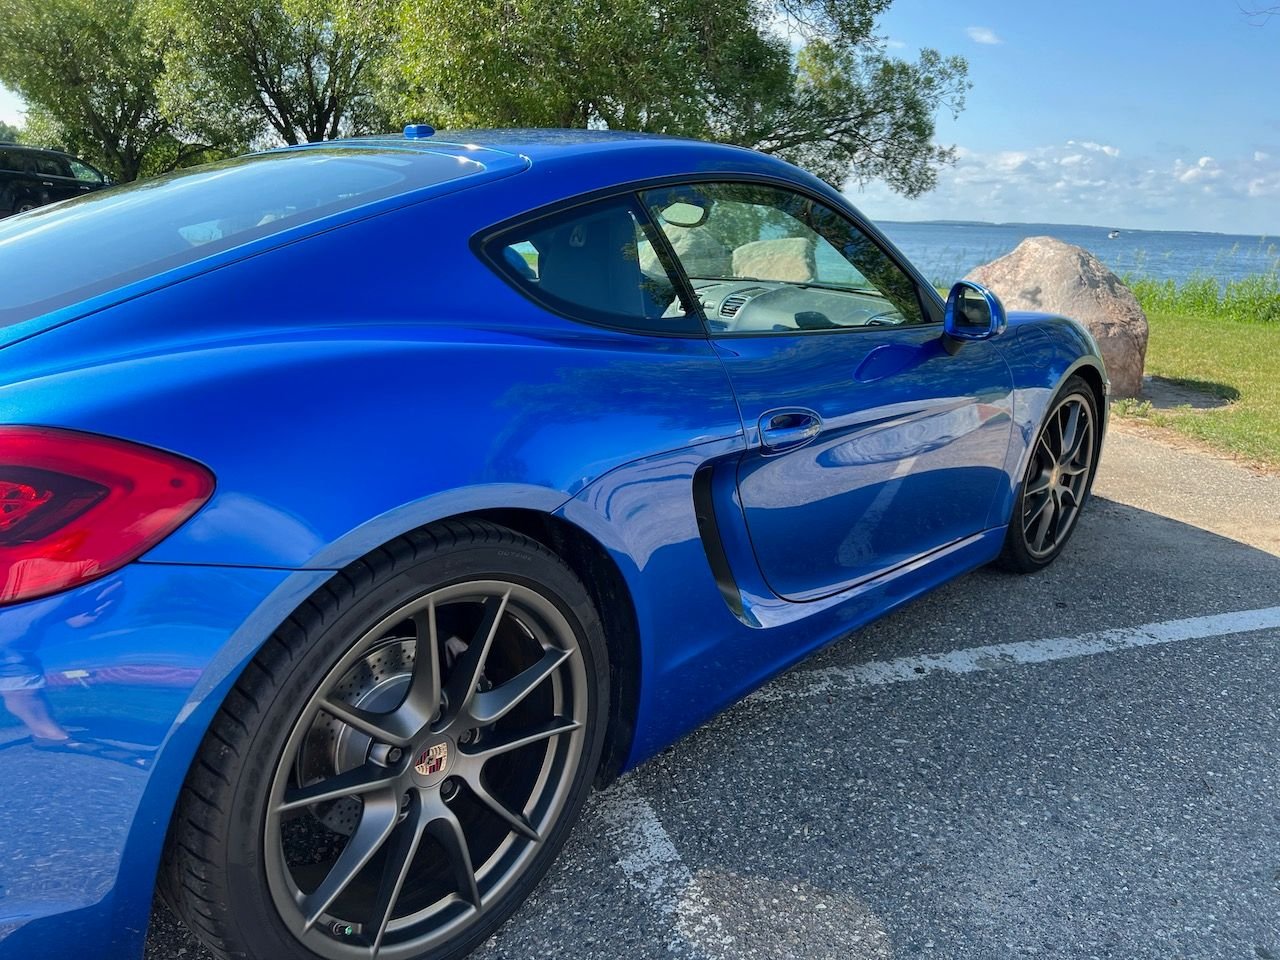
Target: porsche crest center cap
x=431 y=763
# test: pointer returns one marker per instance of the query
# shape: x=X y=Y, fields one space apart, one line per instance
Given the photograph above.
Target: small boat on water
x=1113 y=234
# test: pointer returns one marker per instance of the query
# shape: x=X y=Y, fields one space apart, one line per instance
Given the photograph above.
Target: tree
x=10 y=133
x=809 y=80
x=301 y=70
x=88 y=74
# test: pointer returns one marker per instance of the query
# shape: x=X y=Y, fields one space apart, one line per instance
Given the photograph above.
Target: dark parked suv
x=31 y=177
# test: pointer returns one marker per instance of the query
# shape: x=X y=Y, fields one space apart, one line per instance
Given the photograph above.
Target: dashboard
x=733 y=306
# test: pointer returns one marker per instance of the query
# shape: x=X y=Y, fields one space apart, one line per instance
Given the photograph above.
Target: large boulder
x=1050 y=276
x=698 y=250
x=789 y=259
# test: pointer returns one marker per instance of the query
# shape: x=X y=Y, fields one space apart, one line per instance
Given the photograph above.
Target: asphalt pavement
x=1081 y=763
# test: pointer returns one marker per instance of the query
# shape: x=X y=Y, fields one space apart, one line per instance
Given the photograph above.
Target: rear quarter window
x=594 y=263
x=59 y=255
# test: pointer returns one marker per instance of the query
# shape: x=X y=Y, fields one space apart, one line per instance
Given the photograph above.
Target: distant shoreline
x=1021 y=224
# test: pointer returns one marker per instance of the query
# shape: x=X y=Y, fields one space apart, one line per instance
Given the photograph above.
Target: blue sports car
x=362 y=504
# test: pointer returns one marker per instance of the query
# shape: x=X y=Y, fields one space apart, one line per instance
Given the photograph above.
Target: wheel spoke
x=401 y=849
x=1048 y=499
x=355 y=782
x=492 y=705
x=1044 y=442
x=514 y=741
x=1071 y=434
x=423 y=696
x=386 y=727
x=470 y=666
x=377 y=820
x=1040 y=486
x=1042 y=528
x=1081 y=447
x=515 y=821
x=447 y=831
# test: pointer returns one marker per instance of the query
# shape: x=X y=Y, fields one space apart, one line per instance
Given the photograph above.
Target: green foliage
x=141 y=86
x=9 y=132
x=301 y=70
x=1254 y=299
x=1132 y=407
x=89 y=72
x=711 y=70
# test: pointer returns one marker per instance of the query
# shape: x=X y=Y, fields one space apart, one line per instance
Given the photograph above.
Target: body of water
x=945 y=252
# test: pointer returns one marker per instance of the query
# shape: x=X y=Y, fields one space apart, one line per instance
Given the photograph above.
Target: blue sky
x=1125 y=113
x=1128 y=113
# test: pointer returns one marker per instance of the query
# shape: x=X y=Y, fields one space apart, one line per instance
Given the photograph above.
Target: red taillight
x=75 y=506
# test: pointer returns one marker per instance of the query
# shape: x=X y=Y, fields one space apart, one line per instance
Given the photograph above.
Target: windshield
x=58 y=255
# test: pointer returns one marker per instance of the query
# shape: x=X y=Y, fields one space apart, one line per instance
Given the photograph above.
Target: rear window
x=59 y=255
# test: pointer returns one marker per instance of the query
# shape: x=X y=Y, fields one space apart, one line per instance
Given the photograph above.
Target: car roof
x=14 y=145
x=546 y=144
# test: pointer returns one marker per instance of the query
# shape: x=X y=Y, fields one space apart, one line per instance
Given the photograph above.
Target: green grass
x=1226 y=352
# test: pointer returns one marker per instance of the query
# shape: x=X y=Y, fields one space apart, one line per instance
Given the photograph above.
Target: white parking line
x=645 y=851
x=651 y=862
x=998 y=656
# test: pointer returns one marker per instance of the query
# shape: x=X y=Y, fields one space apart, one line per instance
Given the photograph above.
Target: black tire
x=1032 y=542
x=219 y=873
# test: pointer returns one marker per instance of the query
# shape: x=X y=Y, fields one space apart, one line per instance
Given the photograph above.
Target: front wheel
x=1057 y=481
x=401 y=762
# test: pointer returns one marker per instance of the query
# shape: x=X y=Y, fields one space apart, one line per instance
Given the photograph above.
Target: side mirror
x=973 y=312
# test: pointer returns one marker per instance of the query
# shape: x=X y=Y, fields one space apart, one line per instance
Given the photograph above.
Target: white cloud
x=895 y=44
x=1098 y=147
x=983 y=35
x=1206 y=168
x=1083 y=181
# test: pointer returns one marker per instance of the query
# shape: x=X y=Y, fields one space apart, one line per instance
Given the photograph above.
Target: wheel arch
x=605 y=584
x=1092 y=375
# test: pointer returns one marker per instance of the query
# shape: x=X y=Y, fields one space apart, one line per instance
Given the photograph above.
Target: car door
x=86 y=177
x=56 y=178
x=872 y=441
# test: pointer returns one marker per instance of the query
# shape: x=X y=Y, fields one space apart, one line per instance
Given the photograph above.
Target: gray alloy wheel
x=1056 y=484
x=400 y=763
x=393 y=751
x=1058 y=476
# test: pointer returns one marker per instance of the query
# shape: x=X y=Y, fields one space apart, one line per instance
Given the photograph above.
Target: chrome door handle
x=787 y=428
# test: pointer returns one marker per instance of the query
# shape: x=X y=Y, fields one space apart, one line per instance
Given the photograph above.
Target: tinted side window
x=767 y=260
x=6 y=160
x=51 y=167
x=84 y=173
x=594 y=263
